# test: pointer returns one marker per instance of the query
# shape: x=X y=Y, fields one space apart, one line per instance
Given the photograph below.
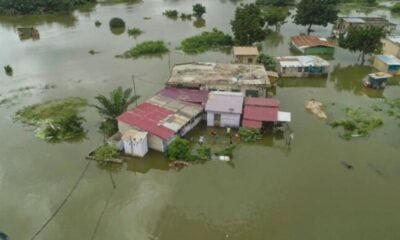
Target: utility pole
x=134 y=88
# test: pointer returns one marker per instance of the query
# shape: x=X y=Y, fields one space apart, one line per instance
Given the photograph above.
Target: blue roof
x=389 y=59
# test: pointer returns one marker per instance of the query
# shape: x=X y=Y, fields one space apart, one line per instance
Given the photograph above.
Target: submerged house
x=376 y=80
x=135 y=142
x=163 y=119
x=310 y=45
x=251 y=79
x=245 y=55
x=391 y=46
x=387 y=63
x=258 y=112
x=343 y=24
x=302 y=66
x=224 y=109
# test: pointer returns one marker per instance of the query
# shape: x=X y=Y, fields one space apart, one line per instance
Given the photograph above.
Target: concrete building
x=310 y=45
x=250 y=79
x=245 y=55
x=224 y=109
x=135 y=143
x=391 y=46
x=302 y=66
x=343 y=24
x=388 y=64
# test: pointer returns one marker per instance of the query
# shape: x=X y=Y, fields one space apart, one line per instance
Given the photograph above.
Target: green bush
x=24 y=7
x=134 y=32
x=268 y=61
x=179 y=149
x=148 y=48
x=206 y=41
x=185 y=16
x=227 y=151
x=198 y=10
x=395 y=8
x=117 y=23
x=171 y=13
x=106 y=152
x=249 y=134
x=97 y=23
x=204 y=152
x=8 y=69
x=63 y=129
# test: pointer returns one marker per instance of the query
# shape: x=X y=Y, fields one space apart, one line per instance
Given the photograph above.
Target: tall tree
x=316 y=12
x=247 y=26
x=275 y=16
x=366 y=40
x=198 y=10
x=109 y=108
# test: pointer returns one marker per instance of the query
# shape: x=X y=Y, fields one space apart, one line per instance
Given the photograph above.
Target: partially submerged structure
x=135 y=143
x=250 y=79
x=387 y=63
x=376 y=80
x=310 y=45
x=343 y=24
x=258 y=112
x=245 y=55
x=28 y=33
x=224 y=109
x=193 y=96
x=391 y=46
x=302 y=66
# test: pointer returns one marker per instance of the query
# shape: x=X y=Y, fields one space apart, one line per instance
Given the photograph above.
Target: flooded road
x=270 y=192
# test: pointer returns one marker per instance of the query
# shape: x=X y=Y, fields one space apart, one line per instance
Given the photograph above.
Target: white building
x=302 y=66
x=135 y=143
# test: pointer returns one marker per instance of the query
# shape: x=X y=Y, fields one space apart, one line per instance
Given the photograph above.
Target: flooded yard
x=269 y=191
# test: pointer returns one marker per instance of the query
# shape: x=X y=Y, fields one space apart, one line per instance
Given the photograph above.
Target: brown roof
x=311 y=41
x=245 y=51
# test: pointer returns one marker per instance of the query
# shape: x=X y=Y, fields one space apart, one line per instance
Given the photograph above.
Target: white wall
x=136 y=148
x=227 y=119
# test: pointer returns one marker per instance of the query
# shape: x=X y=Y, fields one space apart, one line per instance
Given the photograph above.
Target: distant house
x=391 y=46
x=224 y=109
x=310 y=45
x=343 y=24
x=302 y=66
x=388 y=64
x=251 y=79
x=135 y=142
x=163 y=118
x=260 y=111
x=245 y=55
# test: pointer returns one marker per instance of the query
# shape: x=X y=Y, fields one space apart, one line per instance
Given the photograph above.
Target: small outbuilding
x=376 y=80
x=302 y=66
x=245 y=55
x=388 y=64
x=224 y=109
x=135 y=142
x=391 y=46
x=310 y=45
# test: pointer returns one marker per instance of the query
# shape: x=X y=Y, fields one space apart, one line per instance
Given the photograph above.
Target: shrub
x=395 y=8
x=148 y=48
x=179 y=149
x=106 y=152
x=117 y=23
x=205 y=41
x=227 y=151
x=97 y=23
x=63 y=129
x=249 y=134
x=134 y=32
x=185 y=16
x=204 y=152
x=171 y=13
x=267 y=60
x=8 y=69
x=198 y=10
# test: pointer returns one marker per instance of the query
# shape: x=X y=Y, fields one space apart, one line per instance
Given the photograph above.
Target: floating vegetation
x=358 y=123
x=185 y=16
x=206 y=41
x=148 y=48
x=5 y=101
x=249 y=134
x=56 y=120
x=171 y=13
x=134 y=32
x=97 y=23
x=8 y=69
x=106 y=153
x=147 y=18
x=199 y=23
x=92 y=52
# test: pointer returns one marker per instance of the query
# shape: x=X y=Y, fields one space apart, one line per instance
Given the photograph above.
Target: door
x=217 y=119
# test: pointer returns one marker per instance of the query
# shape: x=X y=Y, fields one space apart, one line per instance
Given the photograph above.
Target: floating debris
x=28 y=33
x=178 y=165
x=348 y=166
x=316 y=108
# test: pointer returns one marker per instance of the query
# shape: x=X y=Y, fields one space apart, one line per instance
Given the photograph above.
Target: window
x=299 y=69
x=250 y=60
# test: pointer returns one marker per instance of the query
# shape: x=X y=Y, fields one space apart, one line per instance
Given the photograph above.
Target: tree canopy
x=316 y=12
x=276 y=3
x=367 y=40
x=198 y=10
x=275 y=16
x=24 y=7
x=247 y=26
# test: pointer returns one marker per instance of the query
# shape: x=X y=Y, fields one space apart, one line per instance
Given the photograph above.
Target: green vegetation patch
x=56 y=120
x=148 y=48
x=117 y=23
x=206 y=41
x=24 y=7
x=395 y=8
x=8 y=69
x=268 y=61
x=171 y=13
x=134 y=32
x=249 y=134
x=106 y=153
x=357 y=123
x=179 y=149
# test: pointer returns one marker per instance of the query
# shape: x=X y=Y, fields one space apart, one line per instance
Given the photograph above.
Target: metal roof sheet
x=302 y=61
x=389 y=59
x=226 y=102
x=251 y=124
x=311 y=41
x=394 y=39
x=259 y=113
x=264 y=102
x=186 y=95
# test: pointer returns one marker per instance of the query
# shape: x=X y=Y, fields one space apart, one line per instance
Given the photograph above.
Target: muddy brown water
x=269 y=192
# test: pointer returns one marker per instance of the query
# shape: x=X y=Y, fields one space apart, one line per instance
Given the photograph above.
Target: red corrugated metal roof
x=186 y=95
x=147 y=117
x=264 y=102
x=265 y=114
x=251 y=124
x=311 y=41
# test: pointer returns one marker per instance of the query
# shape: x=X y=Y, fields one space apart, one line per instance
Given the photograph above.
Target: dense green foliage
x=247 y=26
x=185 y=16
x=206 y=41
x=106 y=152
x=148 y=48
x=97 y=23
x=226 y=151
x=395 y=8
x=357 y=123
x=249 y=134
x=134 y=32
x=179 y=149
x=276 y=16
x=68 y=128
x=276 y=3
x=24 y=7
x=204 y=152
x=8 y=69
x=198 y=10
x=268 y=61
x=316 y=12
x=117 y=23
x=171 y=13
x=366 y=40
x=113 y=106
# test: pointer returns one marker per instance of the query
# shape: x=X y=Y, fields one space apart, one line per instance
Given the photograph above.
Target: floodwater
x=269 y=192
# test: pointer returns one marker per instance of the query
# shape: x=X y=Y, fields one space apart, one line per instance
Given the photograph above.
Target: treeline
x=25 y=7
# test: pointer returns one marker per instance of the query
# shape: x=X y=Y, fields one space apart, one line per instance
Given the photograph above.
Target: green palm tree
x=110 y=108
